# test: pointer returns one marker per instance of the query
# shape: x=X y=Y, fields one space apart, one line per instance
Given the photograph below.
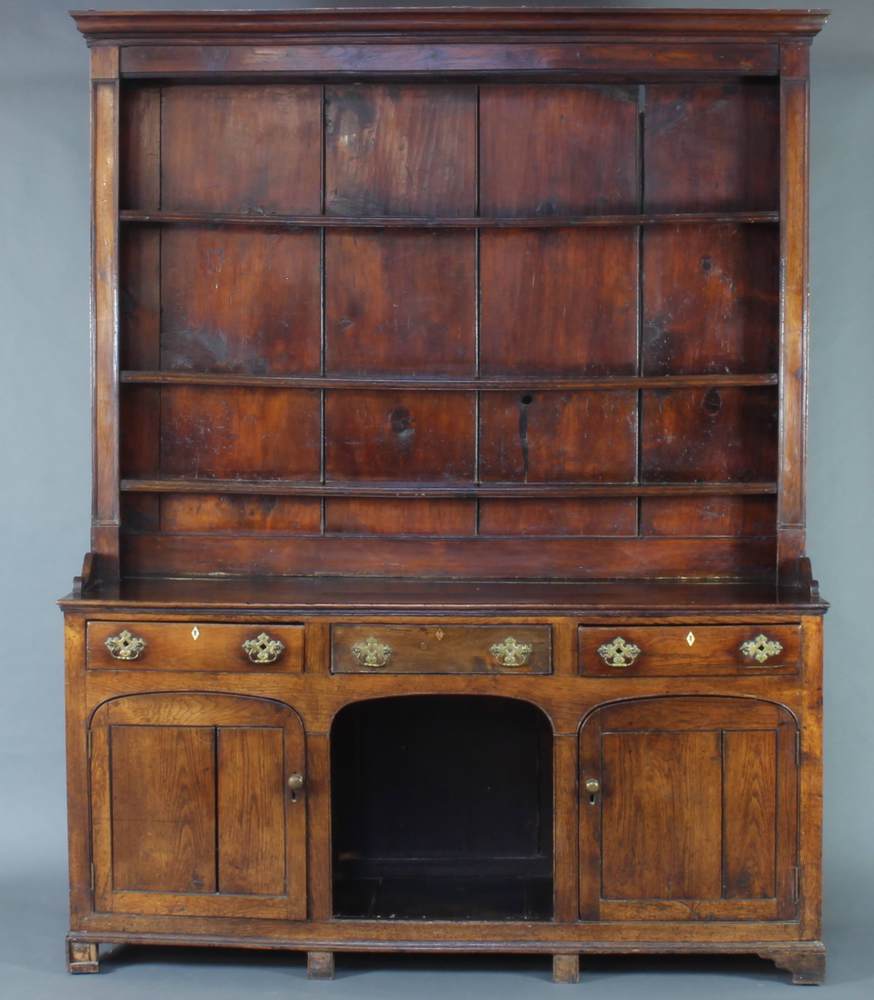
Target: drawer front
x=689 y=650
x=441 y=649
x=195 y=646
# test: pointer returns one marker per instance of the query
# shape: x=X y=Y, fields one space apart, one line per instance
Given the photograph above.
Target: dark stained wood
x=448 y=649
x=441 y=383
x=559 y=302
x=220 y=432
x=400 y=150
x=139 y=149
x=747 y=600
x=256 y=148
x=286 y=487
x=717 y=434
x=558 y=437
x=401 y=517
x=182 y=25
x=580 y=147
x=710 y=301
x=589 y=59
x=194 y=646
x=727 y=515
x=794 y=309
x=399 y=303
x=558 y=517
x=205 y=512
x=276 y=220
x=240 y=302
x=400 y=436
x=711 y=145
x=445 y=327
x=483 y=558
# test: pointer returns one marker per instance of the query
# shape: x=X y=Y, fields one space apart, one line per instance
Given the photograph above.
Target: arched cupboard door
x=195 y=807
x=688 y=810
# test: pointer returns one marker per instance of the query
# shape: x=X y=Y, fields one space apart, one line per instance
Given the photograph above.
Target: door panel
x=695 y=813
x=191 y=810
x=668 y=812
x=251 y=832
x=750 y=809
x=163 y=808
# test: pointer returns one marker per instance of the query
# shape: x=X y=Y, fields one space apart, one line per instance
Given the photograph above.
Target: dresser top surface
x=373 y=595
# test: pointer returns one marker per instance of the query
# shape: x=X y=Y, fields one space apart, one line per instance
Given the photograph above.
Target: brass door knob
x=295 y=782
x=593 y=786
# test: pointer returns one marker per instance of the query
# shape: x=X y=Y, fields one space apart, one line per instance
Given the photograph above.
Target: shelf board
x=286 y=487
x=506 y=383
x=256 y=220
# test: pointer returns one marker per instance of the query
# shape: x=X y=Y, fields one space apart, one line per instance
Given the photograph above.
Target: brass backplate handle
x=511 y=652
x=125 y=646
x=263 y=649
x=761 y=648
x=619 y=653
x=371 y=652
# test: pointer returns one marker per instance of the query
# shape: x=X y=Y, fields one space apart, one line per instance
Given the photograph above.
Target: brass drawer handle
x=263 y=649
x=372 y=652
x=619 y=653
x=761 y=648
x=125 y=646
x=511 y=653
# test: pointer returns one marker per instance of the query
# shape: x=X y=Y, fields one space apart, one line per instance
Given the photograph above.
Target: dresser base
x=804 y=960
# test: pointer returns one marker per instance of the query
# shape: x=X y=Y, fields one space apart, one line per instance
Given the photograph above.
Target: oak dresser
x=447 y=588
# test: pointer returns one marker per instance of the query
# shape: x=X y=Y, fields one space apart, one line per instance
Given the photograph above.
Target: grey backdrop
x=44 y=511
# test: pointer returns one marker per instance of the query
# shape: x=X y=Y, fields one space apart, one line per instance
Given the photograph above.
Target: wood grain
x=250 y=809
x=710 y=299
x=214 y=432
x=710 y=145
x=442 y=649
x=400 y=149
x=559 y=302
x=580 y=147
x=163 y=809
x=660 y=834
x=256 y=147
x=400 y=302
x=239 y=301
x=558 y=437
x=749 y=814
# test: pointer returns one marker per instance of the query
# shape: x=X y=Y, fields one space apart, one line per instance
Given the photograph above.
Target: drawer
x=689 y=650
x=194 y=646
x=441 y=649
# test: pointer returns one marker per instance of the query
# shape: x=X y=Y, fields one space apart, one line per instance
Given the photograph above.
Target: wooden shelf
x=256 y=220
x=285 y=487
x=483 y=384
